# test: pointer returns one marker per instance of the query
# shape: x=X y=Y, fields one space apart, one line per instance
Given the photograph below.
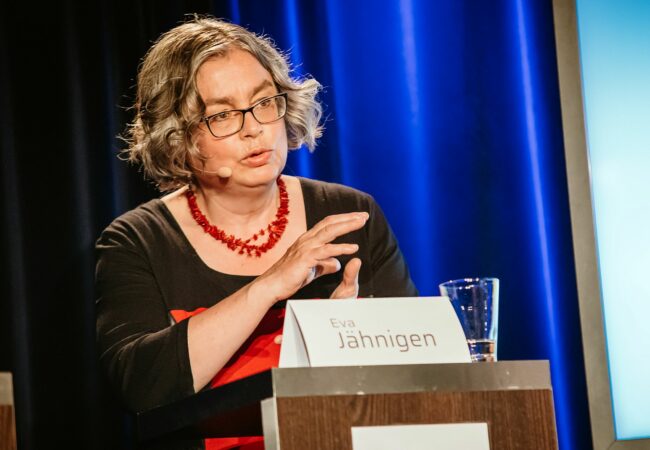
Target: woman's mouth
x=257 y=157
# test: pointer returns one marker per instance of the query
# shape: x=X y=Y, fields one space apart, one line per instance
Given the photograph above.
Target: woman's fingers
x=335 y=219
x=331 y=250
x=313 y=255
x=331 y=231
x=349 y=286
x=326 y=262
x=327 y=266
x=351 y=273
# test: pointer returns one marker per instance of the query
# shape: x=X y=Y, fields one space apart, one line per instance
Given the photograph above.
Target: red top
x=260 y=352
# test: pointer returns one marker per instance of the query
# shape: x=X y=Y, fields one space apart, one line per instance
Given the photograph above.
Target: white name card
x=448 y=436
x=376 y=331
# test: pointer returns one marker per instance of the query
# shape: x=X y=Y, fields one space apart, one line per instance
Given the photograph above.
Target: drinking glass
x=476 y=302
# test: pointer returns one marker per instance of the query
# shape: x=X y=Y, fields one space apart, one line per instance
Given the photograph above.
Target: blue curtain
x=447 y=112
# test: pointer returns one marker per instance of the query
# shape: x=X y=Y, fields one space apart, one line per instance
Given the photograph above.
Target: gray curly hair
x=168 y=107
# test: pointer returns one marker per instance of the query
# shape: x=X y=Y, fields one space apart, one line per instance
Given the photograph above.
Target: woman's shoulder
x=137 y=224
x=327 y=193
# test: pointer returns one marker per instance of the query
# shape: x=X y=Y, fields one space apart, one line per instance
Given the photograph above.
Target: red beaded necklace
x=274 y=230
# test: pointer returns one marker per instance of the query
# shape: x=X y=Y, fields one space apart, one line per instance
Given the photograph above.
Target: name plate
x=452 y=436
x=375 y=331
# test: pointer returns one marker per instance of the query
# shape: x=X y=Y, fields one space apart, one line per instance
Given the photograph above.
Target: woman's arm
x=151 y=361
x=216 y=334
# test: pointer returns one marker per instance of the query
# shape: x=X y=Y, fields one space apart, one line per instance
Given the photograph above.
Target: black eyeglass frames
x=227 y=123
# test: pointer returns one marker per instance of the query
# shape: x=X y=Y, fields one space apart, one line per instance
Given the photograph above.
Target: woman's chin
x=257 y=176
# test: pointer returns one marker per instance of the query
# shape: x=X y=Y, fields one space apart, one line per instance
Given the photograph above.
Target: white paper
x=452 y=436
x=378 y=331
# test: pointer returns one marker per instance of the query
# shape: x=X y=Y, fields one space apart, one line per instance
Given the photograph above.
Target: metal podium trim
x=503 y=375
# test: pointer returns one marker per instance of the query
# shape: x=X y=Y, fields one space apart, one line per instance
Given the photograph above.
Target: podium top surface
x=505 y=375
x=247 y=393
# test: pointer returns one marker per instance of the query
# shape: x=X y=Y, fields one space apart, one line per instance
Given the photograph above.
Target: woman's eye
x=265 y=103
x=220 y=117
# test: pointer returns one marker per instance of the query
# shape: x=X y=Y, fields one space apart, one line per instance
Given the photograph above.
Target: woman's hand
x=313 y=255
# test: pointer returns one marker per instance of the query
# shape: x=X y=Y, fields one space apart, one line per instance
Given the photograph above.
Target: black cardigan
x=146 y=267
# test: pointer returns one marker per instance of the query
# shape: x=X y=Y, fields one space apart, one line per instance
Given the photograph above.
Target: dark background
x=67 y=74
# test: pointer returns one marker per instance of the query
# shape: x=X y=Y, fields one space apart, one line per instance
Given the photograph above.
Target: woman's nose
x=251 y=126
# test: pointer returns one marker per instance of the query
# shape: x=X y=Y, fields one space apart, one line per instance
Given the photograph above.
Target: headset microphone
x=224 y=172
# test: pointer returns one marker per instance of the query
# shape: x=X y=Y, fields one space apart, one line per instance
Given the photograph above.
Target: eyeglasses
x=227 y=123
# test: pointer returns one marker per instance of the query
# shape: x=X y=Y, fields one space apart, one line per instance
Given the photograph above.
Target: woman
x=188 y=285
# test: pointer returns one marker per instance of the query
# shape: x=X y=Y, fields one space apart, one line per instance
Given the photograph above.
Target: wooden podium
x=7 y=415
x=315 y=408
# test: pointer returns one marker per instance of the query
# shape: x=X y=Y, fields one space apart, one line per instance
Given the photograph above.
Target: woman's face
x=258 y=152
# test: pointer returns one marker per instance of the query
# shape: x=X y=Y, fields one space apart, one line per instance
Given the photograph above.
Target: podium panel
x=516 y=419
